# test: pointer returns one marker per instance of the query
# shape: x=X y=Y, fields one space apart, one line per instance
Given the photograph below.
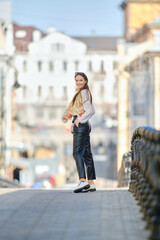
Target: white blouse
x=87 y=105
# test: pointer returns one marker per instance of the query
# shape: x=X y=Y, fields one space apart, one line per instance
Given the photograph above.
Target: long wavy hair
x=85 y=86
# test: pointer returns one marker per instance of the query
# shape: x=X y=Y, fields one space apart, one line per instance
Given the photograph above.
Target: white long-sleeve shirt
x=87 y=105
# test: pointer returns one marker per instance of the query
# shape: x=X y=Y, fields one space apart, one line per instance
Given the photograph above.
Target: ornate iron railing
x=125 y=170
x=145 y=176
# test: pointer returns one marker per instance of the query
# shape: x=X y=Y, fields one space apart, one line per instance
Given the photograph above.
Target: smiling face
x=80 y=81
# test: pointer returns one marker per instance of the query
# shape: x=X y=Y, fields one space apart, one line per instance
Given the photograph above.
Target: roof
x=99 y=43
x=22 y=43
x=125 y=2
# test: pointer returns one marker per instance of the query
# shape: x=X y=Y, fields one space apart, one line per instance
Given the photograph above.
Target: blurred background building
x=138 y=72
x=39 y=145
x=46 y=75
x=37 y=82
x=7 y=72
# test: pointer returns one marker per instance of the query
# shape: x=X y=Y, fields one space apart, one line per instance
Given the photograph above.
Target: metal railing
x=6 y=183
x=125 y=170
x=145 y=176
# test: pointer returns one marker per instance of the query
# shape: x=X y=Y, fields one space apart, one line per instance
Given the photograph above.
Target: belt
x=83 y=122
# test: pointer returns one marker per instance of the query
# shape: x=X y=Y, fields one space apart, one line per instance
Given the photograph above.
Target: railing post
x=145 y=176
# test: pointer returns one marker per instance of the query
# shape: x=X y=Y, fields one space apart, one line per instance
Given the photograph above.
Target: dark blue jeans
x=82 y=151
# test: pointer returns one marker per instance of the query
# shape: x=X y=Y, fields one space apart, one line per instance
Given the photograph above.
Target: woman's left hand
x=76 y=122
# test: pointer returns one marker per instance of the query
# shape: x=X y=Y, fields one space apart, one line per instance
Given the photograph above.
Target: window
x=39 y=65
x=51 y=66
x=138 y=109
x=51 y=92
x=57 y=47
x=24 y=66
x=65 y=92
x=102 y=66
x=76 y=65
x=24 y=91
x=39 y=113
x=90 y=66
x=20 y=34
x=65 y=66
x=39 y=91
x=115 y=65
x=101 y=92
x=52 y=113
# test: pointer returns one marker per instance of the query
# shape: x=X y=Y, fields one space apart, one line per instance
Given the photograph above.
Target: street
x=107 y=214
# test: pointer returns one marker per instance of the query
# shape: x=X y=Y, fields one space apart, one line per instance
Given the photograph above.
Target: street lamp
x=10 y=93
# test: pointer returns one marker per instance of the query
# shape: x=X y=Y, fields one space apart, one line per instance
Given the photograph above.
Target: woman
x=82 y=109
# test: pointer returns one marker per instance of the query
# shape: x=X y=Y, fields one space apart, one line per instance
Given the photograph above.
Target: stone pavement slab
x=107 y=214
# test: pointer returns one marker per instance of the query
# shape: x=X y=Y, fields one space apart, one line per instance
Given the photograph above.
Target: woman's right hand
x=72 y=125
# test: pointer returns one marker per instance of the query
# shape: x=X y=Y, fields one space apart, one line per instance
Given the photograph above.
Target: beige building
x=6 y=82
x=138 y=75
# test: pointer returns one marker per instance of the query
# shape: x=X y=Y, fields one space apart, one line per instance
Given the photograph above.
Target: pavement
x=107 y=214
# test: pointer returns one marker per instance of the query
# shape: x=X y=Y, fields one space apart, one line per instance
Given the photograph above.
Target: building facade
x=7 y=72
x=138 y=79
x=46 y=67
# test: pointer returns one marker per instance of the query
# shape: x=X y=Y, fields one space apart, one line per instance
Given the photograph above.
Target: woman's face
x=80 y=81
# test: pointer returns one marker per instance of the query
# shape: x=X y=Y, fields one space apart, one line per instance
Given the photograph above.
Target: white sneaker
x=81 y=186
x=92 y=188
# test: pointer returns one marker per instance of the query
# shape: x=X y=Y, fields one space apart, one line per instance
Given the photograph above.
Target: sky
x=73 y=17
